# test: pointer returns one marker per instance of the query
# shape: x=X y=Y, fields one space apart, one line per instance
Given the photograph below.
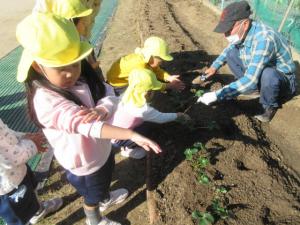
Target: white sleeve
x=13 y=150
x=152 y=115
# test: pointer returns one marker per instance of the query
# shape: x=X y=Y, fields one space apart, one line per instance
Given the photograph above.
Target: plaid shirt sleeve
x=262 y=52
x=221 y=60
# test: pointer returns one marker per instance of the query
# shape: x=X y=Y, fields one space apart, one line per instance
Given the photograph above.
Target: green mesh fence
x=272 y=12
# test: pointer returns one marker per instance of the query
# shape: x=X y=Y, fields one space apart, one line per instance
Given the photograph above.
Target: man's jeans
x=274 y=86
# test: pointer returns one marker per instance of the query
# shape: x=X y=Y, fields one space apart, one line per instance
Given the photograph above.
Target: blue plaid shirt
x=262 y=47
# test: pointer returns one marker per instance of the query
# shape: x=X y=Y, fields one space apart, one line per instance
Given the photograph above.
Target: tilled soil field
x=248 y=181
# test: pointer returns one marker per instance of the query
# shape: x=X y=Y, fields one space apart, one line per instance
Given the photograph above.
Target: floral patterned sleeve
x=14 y=149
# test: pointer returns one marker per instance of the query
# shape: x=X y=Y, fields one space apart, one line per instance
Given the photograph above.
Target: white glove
x=208 y=98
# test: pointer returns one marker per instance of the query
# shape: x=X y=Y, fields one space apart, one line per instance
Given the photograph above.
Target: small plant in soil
x=202 y=162
x=199 y=93
x=200 y=146
x=189 y=153
x=203 y=178
x=221 y=190
x=203 y=218
x=219 y=210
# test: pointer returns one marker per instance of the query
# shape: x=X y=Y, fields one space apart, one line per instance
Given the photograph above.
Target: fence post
x=286 y=15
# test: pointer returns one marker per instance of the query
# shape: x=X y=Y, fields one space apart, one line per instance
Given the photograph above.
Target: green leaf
x=207 y=219
x=203 y=178
x=222 y=190
x=196 y=214
x=219 y=210
x=203 y=162
x=199 y=93
x=199 y=145
x=189 y=152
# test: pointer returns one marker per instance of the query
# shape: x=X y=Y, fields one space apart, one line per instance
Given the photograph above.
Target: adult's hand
x=210 y=71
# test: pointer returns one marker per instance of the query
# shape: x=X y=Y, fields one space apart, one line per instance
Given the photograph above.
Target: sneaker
x=104 y=221
x=133 y=152
x=267 y=115
x=249 y=96
x=116 y=197
x=49 y=206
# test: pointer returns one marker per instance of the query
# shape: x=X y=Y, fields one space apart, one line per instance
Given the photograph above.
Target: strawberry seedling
x=203 y=218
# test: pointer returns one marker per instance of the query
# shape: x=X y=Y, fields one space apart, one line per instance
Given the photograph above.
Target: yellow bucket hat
x=65 y=8
x=49 y=40
x=155 y=46
x=140 y=81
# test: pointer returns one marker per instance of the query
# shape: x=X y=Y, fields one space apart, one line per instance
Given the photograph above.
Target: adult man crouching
x=259 y=58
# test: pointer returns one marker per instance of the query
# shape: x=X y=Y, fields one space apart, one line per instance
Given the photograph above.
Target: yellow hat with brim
x=65 y=8
x=157 y=47
x=140 y=81
x=51 y=41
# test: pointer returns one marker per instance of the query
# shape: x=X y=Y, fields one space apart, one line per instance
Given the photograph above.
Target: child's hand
x=173 y=78
x=39 y=140
x=146 y=143
x=175 y=83
x=93 y=114
x=183 y=116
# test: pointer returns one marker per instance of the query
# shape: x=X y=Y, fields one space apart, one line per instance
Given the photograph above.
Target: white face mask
x=233 y=39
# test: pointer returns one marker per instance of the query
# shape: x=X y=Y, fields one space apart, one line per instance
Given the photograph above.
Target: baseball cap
x=232 y=13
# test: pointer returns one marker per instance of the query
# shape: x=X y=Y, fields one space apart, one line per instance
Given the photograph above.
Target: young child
x=79 y=13
x=63 y=93
x=150 y=57
x=133 y=109
x=18 y=201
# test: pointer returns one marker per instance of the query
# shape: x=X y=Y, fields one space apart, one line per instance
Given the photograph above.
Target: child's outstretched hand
x=93 y=114
x=39 y=140
x=146 y=143
x=175 y=83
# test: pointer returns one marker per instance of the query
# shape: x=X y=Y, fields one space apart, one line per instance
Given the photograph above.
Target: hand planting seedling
x=203 y=218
